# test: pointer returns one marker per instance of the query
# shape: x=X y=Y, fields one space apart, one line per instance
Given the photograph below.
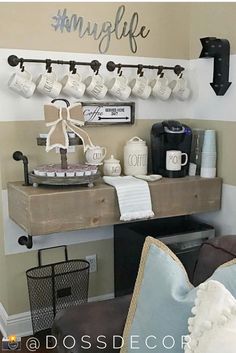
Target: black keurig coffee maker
x=170 y=135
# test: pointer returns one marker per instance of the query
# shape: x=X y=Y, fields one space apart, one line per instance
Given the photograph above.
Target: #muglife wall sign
x=118 y=28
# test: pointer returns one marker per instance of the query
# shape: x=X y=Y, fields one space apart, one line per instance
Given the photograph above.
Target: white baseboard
x=101 y=297
x=20 y=324
x=3 y=321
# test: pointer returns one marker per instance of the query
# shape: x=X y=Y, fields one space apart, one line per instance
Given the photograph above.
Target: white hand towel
x=133 y=197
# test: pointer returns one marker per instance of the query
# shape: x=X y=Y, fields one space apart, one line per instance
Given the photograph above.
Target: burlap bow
x=62 y=119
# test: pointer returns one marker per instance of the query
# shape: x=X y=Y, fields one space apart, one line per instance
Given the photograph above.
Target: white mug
x=21 y=83
x=95 y=154
x=95 y=86
x=179 y=88
x=48 y=84
x=140 y=87
x=160 y=87
x=174 y=160
x=118 y=87
x=72 y=85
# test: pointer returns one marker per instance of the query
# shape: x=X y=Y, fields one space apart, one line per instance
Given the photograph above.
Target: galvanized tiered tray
x=36 y=180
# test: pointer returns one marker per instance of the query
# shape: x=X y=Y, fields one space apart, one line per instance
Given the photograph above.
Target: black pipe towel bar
x=111 y=66
x=13 y=60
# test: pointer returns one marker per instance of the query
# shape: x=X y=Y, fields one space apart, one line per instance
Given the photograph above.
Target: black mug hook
x=140 y=70
x=48 y=65
x=160 y=70
x=72 y=67
x=119 y=71
x=22 y=65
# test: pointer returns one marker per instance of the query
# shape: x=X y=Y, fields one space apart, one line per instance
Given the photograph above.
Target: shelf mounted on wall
x=219 y=49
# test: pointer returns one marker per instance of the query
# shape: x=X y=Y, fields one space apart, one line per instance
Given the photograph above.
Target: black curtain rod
x=111 y=66
x=13 y=60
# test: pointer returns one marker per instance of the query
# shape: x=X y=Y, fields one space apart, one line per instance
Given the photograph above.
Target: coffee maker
x=165 y=136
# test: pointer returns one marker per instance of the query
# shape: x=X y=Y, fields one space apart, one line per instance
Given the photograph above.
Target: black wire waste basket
x=55 y=287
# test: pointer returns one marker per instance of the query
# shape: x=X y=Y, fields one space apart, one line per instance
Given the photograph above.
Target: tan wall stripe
x=212 y=19
x=28 y=26
x=22 y=136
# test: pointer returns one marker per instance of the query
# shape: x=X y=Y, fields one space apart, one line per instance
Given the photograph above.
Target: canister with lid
x=111 y=167
x=135 y=157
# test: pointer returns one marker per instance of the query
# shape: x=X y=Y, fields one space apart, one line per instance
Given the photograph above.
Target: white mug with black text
x=48 y=84
x=21 y=83
x=73 y=85
x=95 y=86
x=118 y=87
x=174 y=160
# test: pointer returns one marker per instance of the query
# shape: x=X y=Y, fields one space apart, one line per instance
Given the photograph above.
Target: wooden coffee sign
x=118 y=28
x=103 y=113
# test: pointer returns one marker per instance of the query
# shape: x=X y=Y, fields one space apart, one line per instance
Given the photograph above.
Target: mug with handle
x=95 y=86
x=48 y=84
x=174 y=160
x=160 y=87
x=180 y=88
x=95 y=154
x=21 y=83
x=118 y=87
x=72 y=85
x=140 y=87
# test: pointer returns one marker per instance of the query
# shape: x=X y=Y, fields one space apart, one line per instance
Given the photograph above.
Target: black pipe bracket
x=26 y=241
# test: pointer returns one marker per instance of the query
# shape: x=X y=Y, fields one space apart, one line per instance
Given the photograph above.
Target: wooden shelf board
x=45 y=210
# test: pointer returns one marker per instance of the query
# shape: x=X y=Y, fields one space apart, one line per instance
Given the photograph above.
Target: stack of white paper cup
x=208 y=164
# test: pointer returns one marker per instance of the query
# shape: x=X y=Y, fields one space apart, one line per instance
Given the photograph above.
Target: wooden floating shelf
x=45 y=210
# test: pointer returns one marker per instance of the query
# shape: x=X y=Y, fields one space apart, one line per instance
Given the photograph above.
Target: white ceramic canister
x=111 y=167
x=135 y=157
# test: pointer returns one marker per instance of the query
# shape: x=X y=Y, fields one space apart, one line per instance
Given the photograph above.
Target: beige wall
x=28 y=26
x=101 y=282
x=213 y=19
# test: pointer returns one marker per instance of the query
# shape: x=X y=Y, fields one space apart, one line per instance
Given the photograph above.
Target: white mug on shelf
x=180 y=88
x=48 y=84
x=160 y=87
x=95 y=154
x=95 y=86
x=174 y=160
x=21 y=83
x=72 y=85
x=140 y=87
x=118 y=87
